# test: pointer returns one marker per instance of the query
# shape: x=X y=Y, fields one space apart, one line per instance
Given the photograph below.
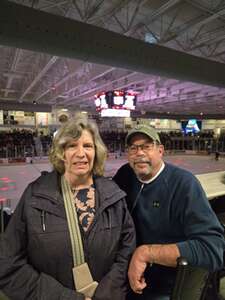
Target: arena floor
x=15 y=178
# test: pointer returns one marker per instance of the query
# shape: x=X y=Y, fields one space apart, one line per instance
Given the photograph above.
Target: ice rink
x=15 y=177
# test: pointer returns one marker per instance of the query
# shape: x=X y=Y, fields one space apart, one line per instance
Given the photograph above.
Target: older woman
x=38 y=248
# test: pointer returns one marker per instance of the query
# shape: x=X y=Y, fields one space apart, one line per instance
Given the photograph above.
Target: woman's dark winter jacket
x=36 y=254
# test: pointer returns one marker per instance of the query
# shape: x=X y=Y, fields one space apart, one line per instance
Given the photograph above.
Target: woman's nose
x=80 y=151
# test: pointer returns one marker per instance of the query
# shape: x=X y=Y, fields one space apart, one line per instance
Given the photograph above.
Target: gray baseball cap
x=145 y=129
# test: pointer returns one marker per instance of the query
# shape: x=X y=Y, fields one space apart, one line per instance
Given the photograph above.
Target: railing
x=175 y=144
x=195 y=144
x=22 y=152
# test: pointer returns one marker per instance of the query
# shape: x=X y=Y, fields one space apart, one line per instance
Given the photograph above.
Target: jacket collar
x=48 y=186
x=108 y=191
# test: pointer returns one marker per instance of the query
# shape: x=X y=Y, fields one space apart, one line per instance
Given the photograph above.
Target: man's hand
x=137 y=267
x=165 y=255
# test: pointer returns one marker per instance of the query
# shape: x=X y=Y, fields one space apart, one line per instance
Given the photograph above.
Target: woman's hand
x=87 y=298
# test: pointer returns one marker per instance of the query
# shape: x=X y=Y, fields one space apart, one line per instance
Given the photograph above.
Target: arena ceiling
x=37 y=64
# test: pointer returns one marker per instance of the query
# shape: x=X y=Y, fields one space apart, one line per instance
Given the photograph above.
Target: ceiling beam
x=76 y=87
x=201 y=21
x=155 y=14
x=47 y=66
x=39 y=76
x=27 y=28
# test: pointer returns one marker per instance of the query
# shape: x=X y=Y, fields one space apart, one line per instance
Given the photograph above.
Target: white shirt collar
x=154 y=177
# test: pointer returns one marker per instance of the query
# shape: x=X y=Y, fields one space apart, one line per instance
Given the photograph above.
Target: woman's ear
x=63 y=155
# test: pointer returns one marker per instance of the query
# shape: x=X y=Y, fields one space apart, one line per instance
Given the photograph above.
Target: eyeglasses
x=133 y=149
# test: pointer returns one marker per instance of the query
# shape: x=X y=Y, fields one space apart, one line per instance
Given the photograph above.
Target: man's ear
x=161 y=149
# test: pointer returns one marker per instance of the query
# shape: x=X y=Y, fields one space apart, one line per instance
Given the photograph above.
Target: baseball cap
x=145 y=129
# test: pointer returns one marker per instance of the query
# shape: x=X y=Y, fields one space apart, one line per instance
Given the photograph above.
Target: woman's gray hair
x=73 y=130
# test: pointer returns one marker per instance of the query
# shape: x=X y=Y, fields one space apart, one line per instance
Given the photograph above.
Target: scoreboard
x=117 y=99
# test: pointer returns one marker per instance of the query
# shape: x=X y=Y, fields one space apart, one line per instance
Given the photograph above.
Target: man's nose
x=140 y=150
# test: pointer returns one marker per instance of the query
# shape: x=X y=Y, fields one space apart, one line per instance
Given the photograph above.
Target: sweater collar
x=154 y=177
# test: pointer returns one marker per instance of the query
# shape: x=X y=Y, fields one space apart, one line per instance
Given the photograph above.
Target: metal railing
x=8 y=152
x=175 y=144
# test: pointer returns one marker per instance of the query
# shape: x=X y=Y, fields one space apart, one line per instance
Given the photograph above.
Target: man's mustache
x=142 y=161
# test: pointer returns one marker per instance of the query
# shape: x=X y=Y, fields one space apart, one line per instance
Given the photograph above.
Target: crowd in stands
x=222 y=137
x=181 y=134
x=22 y=143
x=172 y=140
x=17 y=143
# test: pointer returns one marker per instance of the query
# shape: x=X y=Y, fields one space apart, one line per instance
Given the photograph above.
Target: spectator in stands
x=36 y=253
x=217 y=155
x=44 y=143
x=209 y=148
x=172 y=216
x=38 y=145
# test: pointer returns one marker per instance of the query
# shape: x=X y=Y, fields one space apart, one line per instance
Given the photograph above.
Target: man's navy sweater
x=173 y=208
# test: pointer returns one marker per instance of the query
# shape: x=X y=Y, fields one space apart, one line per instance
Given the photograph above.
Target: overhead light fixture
x=63 y=96
x=150 y=38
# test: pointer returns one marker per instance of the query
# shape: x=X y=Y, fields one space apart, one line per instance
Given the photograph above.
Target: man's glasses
x=133 y=149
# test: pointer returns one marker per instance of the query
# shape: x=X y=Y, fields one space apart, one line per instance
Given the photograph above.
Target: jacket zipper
x=137 y=198
x=110 y=220
x=43 y=220
x=43 y=212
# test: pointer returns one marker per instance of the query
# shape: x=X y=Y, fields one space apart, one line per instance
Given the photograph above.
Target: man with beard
x=172 y=217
